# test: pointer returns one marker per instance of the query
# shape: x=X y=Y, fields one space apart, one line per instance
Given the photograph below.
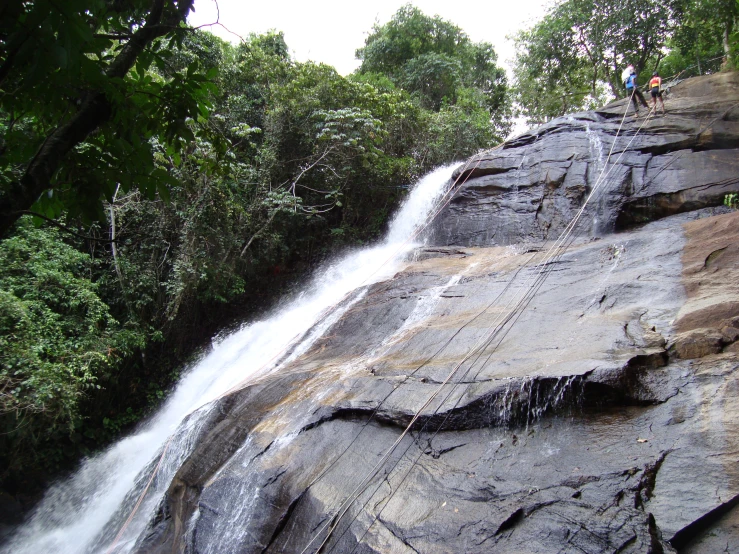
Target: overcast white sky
x=329 y=31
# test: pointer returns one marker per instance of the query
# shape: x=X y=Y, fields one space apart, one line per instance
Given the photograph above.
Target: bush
x=56 y=339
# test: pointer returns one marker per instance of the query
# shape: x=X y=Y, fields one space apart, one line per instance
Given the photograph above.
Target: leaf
x=60 y=55
x=164 y=192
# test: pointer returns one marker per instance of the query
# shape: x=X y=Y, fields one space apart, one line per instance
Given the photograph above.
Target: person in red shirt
x=655 y=86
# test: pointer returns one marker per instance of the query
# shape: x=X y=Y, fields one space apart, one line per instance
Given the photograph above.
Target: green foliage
x=308 y=152
x=84 y=88
x=409 y=34
x=434 y=60
x=221 y=175
x=216 y=175
x=458 y=129
x=705 y=40
x=57 y=338
x=731 y=200
x=433 y=77
x=573 y=58
x=550 y=78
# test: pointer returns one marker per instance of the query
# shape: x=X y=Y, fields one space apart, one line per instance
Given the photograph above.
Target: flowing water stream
x=598 y=157
x=84 y=513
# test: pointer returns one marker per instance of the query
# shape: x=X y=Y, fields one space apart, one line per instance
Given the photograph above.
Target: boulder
x=578 y=429
x=696 y=344
x=503 y=394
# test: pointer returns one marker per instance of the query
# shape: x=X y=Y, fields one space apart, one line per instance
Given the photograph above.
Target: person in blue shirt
x=633 y=90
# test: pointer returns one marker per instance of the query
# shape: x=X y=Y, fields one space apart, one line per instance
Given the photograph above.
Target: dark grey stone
x=578 y=427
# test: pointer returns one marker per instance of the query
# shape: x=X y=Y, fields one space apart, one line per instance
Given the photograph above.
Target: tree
x=58 y=340
x=434 y=60
x=550 y=77
x=409 y=34
x=706 y=37
x=78 y=108
x=204 y=219
x=580 y=46
x=456 y=130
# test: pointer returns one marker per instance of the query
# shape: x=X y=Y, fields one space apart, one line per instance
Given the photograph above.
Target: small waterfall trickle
x=596 y=148
x=597 y=154
x=526 y=400
x=84 y=512
x=506 y=403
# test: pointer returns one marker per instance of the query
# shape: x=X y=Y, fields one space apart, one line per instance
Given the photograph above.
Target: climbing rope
x=555 y=249
x=477 y=349
x=446 y=198
x=554 y=252
x=140 y=499
x=444 y=201
x=515 y=314
x=451 y=391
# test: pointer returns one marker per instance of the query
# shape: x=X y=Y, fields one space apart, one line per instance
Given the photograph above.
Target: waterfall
x=599 y=163
x=84 y=512
x=596 y=148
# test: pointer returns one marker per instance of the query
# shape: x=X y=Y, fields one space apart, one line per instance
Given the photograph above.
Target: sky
x=330 y=31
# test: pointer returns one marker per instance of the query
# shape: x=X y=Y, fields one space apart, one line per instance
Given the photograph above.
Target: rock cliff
x=603 y=417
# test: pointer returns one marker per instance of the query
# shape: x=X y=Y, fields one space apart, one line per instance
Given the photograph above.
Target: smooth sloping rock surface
x=602 y=418
x=578 y=433
x=663 y=165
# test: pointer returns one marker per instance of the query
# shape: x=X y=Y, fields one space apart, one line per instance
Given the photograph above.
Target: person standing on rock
x=626 y=73
x=633 y=90
x=655 y=87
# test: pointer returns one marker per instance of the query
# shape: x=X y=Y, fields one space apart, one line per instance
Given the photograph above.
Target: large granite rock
x=602 y=418
x=529 y=188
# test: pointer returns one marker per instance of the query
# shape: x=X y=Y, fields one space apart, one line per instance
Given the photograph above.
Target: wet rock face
x=664 y=165
x=602 y=418
x=582 y=430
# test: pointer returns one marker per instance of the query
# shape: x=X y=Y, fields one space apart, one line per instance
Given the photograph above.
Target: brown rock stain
x=321 y=388
x=482 y=261
x=711 y=279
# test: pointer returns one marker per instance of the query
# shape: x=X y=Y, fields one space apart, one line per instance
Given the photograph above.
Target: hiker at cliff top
x=655 y=87
x=633 y=90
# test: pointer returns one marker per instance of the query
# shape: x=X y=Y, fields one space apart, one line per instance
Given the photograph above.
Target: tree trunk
x=37 y=178
x=114 y=250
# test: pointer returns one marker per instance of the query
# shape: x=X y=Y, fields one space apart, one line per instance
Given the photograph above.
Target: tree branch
x=259 y=232
x=114 y=250
x=95 y=110
x=308 y=168
x=64 y=228
x=125 y=36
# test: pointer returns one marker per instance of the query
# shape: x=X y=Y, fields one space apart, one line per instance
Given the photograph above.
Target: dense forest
x=573 y=57
x=158 y=184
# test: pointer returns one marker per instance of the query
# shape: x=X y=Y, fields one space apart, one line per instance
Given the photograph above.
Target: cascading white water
x=83 y=513
x=596 y=148
x=598 y=155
